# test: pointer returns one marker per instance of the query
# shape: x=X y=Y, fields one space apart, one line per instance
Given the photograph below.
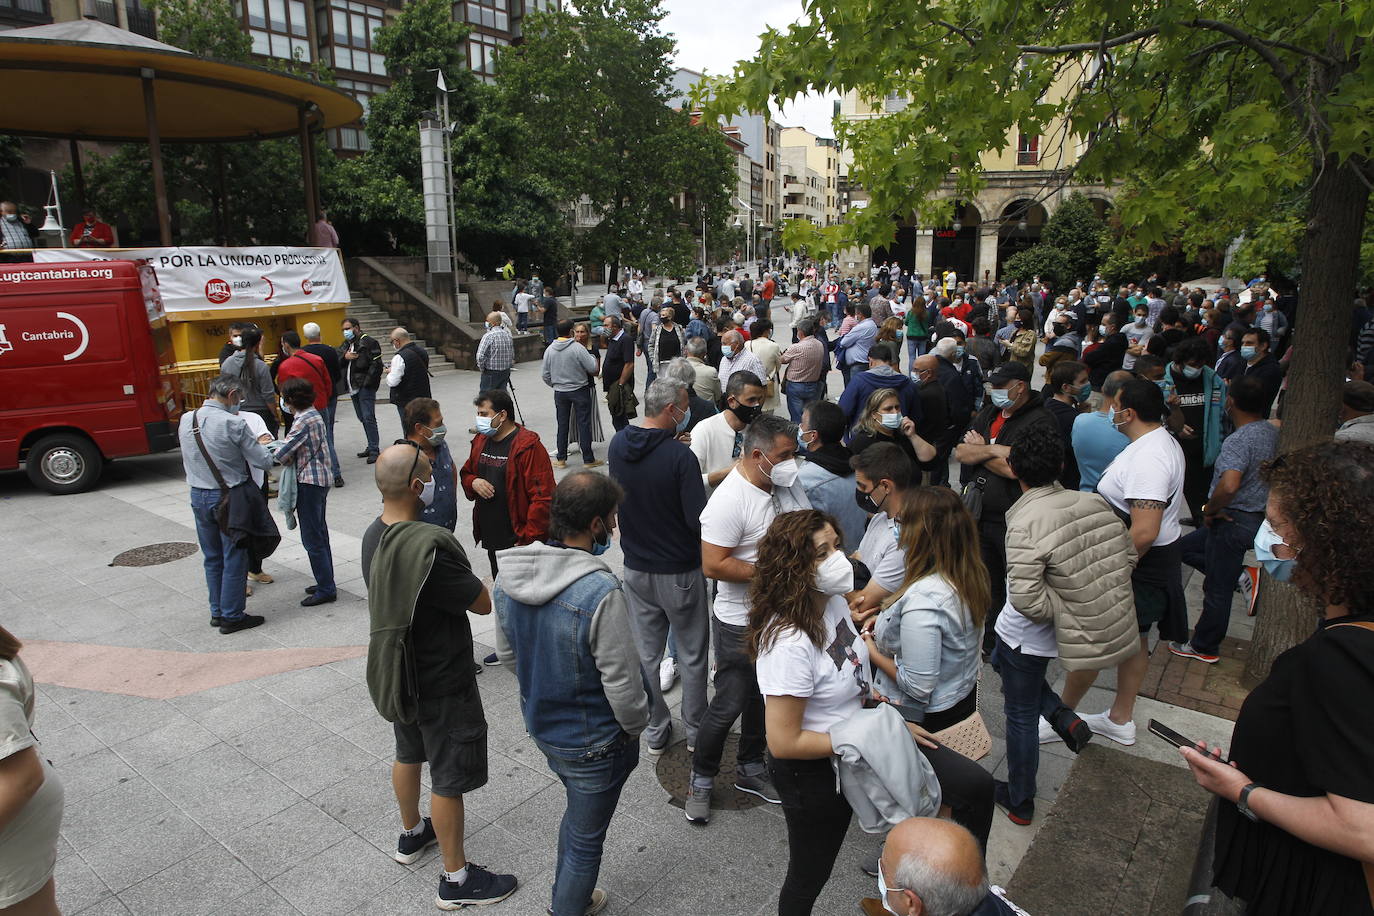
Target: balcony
x=25 y=12
x=142 y=22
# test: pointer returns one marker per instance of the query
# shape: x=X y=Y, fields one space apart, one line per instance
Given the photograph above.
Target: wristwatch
x=1243 y=802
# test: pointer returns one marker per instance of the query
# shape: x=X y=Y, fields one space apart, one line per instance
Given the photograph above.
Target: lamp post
x=748 y=253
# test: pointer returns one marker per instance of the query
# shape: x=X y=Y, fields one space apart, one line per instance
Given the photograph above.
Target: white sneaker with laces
x=667 y=673
x=1101 y=724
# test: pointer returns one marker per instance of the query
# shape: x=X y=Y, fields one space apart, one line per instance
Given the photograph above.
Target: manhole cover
x=155 y=554
x=675 y=769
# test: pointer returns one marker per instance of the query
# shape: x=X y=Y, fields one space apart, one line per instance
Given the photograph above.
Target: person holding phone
x=1295 y=829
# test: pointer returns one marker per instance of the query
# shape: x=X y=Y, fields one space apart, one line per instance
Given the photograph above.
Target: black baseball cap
x=1009 y=372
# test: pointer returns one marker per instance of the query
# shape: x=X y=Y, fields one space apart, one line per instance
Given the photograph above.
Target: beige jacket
x=1069 y=560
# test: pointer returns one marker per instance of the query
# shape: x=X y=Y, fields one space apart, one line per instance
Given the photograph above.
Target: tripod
x=520 y=415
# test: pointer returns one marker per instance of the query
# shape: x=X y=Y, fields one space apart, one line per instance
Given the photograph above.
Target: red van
x=85 y=357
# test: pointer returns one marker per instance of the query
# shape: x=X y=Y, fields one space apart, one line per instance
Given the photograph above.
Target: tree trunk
x=1330 y=264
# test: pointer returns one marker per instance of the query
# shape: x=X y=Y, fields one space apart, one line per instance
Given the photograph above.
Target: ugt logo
x=5 y=345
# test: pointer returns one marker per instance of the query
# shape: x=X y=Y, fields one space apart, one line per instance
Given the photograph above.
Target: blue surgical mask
x=1265 y=541
x=1192 y=371
x=600 y=546
x=891 y=420
x=727 y=351
x=1268 y=306
x=1001 y=398
x=896 y=527
x=1083 y=393
x=686 y=418
x=959 y=352
x=483 y=425
x=1163 y=386
x=348 y=333
x=1102 y=329
x=1247 y=353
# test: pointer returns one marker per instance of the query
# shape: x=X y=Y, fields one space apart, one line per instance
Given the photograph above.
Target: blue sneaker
x=481 y=887
x=409 y=848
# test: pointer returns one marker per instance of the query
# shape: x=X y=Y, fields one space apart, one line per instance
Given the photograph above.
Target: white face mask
x=427 y=493
x=835 y=575
x=784 y=473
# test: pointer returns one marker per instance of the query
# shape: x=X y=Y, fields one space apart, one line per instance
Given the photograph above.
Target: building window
x=278 y=28
x=482 y=51
x=491 y=14
x=349 y=29
x=26 y=10
x=351 y=138
x=1028 y=150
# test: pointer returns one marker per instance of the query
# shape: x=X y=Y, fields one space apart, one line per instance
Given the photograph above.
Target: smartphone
x=1171 y=736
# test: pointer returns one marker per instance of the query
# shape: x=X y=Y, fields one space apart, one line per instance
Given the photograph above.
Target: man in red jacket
x=509 y=478
x=299 y=363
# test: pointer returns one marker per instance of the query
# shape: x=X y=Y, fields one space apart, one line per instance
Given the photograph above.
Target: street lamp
x=748 y=255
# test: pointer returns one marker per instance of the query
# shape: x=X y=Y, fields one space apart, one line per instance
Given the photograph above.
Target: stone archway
x=957 y=246
x=1020 y=225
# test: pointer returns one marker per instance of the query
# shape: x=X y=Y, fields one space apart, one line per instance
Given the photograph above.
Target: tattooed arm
x=1146 y=517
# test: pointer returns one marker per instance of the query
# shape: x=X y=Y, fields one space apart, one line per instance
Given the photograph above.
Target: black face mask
x=866 y=503
x=746 y=414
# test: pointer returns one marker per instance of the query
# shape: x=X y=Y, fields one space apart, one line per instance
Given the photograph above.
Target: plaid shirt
x=307 y=444
x=496 y=351
x=14 y=235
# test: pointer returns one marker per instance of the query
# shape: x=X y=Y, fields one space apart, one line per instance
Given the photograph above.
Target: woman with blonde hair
x=882 y=421
x=924 y=645
x=30 y=796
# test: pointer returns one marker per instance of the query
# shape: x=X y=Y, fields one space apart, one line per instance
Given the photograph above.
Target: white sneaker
x=667 y=673
x=1101 y=724
x=1047 y=735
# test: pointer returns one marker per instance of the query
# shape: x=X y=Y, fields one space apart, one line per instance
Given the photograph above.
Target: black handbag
x=973 y=496
x=221 y=507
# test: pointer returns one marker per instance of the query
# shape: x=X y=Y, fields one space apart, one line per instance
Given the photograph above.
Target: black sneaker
x=481 y=888
x=364 y=453
x=411 y=847
x=246 y=622
x=371 y=457
x=1073 y=730
x=759 y=785
x=315 y=598
x=491 y=660
x=1020 y=816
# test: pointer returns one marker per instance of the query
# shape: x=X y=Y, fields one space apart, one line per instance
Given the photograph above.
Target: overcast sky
x=713 y=34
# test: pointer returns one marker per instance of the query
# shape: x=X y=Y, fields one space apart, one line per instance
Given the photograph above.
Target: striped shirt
x=307 y=444
x=496 y=350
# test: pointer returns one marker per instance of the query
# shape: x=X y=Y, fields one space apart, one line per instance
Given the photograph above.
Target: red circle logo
x=306 y=286
x=218 y=292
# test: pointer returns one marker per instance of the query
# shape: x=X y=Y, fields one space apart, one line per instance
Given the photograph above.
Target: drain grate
x=674 y=769
x=155 y=554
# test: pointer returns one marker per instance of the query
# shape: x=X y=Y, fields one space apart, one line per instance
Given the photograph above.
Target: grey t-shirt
x=1245 y=450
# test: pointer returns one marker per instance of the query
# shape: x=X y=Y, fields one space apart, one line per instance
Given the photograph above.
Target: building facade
x=1025 y=182
x=821 y=157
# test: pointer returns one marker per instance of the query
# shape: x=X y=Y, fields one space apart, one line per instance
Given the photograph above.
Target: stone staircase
x=378 y=322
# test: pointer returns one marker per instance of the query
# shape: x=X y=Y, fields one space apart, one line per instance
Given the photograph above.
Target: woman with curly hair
x=1295 y=830
x=924 y=644
x=811 y=667
x=30 y=796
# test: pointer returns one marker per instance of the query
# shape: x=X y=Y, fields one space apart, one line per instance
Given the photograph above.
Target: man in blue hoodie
x=881 y=373
x=660 y=524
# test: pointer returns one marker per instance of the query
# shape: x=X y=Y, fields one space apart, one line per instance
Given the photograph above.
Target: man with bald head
x=934 y=867
x=495 y=355
x=925 y=372
x=734 y=358
x=420 y=590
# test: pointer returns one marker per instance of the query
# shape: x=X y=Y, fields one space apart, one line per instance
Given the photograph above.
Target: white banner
x=228 y=279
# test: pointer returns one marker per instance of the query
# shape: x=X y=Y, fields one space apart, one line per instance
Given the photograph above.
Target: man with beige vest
x=1069 y=562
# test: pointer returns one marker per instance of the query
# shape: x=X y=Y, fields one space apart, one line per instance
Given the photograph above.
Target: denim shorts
x=451 y=734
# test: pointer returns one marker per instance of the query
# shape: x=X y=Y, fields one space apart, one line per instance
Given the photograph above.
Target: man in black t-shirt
x=450 y=730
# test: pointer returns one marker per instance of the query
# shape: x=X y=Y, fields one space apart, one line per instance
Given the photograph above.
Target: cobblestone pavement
x=249 y=774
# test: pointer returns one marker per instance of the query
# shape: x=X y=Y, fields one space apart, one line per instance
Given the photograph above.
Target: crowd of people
x=798 y=557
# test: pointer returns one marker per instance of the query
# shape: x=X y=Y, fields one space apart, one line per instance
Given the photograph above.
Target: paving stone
x=278 y=842
x=179 y=738
x=350 y=870
x=241 y=803
x=142 y=851
x=287 y=733
x=359 y=800
x=260 y=901
x=132 y=800
x=81 y=887
x=199 y=884
x=509 y=785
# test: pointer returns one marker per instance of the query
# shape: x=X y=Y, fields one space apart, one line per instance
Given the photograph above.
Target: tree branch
x=1091 y=45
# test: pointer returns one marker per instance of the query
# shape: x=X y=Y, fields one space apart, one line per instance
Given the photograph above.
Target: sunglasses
x=414 y=464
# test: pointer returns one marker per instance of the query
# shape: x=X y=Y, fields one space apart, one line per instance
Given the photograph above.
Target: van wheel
x=64 y=463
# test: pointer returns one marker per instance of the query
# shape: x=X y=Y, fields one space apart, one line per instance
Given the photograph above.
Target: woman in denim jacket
x=924 y=645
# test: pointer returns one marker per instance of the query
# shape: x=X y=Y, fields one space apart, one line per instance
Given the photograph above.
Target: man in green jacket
x=420 y=672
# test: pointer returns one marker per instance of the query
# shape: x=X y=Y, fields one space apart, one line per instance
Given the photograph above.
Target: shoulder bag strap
x=205 y=452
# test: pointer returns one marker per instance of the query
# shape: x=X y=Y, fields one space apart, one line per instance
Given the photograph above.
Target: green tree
x=591 y=91
x=1045 y=261
x=218 y=193
x=1069 y=246
x=1206 y=105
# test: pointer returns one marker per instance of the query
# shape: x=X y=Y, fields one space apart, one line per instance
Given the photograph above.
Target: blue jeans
x=331 y=410
x=365 y=407
x=593 y=789
x=522 y=321
x=916 y=346
x=1219 y=553
x=550 y=332
x=310 y=502
x=799 y=394
x=226 y=566
x=1026 y=696
x=564 y=403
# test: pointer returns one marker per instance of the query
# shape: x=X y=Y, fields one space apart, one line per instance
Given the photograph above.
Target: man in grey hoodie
x=568 y=365
x=563 y=624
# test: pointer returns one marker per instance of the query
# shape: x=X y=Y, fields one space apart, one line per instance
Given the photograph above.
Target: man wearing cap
x=1010 y=411
x=1357 y=413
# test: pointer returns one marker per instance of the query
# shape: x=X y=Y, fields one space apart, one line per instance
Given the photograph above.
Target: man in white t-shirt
x=882 y=473
x=1144 y=485
x=760 y=487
